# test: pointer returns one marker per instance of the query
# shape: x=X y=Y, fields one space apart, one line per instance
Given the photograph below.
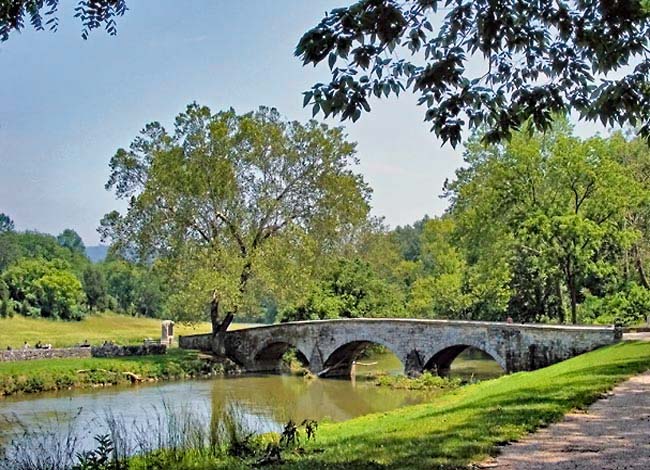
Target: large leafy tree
x=557 y=209
x=497 y=64
x=350 y=290
x=439 y=291
x=219 y=188
x=72 y=241
x=45 y=288
x=95 y=287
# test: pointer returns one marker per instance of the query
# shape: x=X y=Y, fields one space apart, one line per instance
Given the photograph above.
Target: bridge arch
x=340 y=361
x=268 y=357
x=441 y=359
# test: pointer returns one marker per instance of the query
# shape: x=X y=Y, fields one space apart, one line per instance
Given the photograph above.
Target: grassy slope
x=95 y=328
x=56 y=374
x=467 y=425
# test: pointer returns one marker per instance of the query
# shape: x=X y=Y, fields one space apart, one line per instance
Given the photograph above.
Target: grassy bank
x=468 y=424
x=95 y=328
x=459 y=427
x=61 y=374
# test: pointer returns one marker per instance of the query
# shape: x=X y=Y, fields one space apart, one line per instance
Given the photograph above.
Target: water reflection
x=263 y=403
x=471 y=364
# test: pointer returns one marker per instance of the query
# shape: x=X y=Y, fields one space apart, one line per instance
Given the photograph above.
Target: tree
x=122 y=281
x=6 y=224
x=552 y=207
x=221 y=186
x=72 y=241
x=16 y=245
x=95 y=287
x=439 y=292
x=537 y=59
x=9 y=249
x=42 y=14
x=6 y=304
x=59 y=294
x=45 y=288
x=408 y=238
x=351 y=290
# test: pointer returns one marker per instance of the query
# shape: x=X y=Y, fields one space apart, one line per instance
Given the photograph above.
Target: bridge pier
x=414 y=364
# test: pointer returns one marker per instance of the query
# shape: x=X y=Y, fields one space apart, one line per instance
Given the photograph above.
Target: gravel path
x=614 y=434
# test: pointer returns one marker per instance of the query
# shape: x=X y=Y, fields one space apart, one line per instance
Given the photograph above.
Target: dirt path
x=614 y=434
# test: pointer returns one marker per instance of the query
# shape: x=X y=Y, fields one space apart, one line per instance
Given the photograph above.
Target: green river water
x=262 y=403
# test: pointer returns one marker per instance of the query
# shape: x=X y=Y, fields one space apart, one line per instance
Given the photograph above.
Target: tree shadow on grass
x=451 y=436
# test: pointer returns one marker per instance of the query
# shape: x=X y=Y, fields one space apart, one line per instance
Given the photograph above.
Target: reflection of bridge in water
x=279 y=398
x=330 y=347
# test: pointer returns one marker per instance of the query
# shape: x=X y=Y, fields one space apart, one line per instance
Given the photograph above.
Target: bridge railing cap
x=439 y=322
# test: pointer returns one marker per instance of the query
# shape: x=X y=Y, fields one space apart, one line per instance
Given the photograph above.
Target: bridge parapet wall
x=202 y=342
x=331 y=346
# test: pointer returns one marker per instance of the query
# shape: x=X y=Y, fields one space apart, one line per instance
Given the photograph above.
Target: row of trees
x=46 y=276
x=253 y=216
x=264 y=218
x=545 y=227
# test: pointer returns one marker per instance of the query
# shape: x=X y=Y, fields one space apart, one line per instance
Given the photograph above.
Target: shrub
x=629 y=306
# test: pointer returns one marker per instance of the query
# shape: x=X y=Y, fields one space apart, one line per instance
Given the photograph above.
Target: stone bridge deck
x=330 y=347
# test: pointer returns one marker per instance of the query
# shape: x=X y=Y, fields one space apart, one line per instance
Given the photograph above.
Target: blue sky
x=67 y=104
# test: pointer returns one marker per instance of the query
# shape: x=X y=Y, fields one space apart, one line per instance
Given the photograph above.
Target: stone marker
x=167 y=335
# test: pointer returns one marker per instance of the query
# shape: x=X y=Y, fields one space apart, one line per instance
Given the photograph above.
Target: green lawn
x=467 y=425
x=56 y=374
x=95 y=328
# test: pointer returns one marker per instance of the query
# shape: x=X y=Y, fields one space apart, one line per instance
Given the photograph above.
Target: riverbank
x=63 y=374
x=453 y=430
x=612 y=434
x=96 y=328
x=469 y=424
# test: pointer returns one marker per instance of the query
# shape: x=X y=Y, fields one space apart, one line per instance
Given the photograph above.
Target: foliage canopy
x=221 y=188
x=485 y=63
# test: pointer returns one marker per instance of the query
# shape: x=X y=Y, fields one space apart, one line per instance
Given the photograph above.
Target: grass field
x=94 y=328
x=57 y=374
x=467 y=425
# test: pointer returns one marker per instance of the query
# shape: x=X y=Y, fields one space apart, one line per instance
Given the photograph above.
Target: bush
x=43 y=288
x=427 y=381
x=629 y=306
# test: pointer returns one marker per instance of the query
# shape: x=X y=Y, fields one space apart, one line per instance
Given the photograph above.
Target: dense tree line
x=255 y=217
x=547 y=227
x=51 y=277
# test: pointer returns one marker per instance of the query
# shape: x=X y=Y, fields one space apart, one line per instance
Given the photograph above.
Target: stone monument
x=167 y=335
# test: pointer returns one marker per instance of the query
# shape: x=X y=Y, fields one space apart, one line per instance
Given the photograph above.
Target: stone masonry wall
x=113 y=350
x=202 y=342
x=106 y=350
x=32 y=354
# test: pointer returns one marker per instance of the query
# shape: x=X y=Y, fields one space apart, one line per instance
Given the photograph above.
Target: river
x=262 y=403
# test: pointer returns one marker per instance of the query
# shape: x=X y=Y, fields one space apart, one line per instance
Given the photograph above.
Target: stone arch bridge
x=330 y=347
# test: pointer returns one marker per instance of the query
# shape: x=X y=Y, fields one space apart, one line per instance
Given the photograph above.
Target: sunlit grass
x=468 y=424
x=94 y=328
x=57 y=374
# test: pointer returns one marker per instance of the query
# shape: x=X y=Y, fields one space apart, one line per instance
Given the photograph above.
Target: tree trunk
x=573 y=294
x=214 y=312
x=574 y=303
x=560 y=299
x=218 y=326
x=639 y=267
x=245 y=276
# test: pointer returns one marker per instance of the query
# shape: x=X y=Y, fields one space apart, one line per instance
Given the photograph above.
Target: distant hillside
x=96 y=253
